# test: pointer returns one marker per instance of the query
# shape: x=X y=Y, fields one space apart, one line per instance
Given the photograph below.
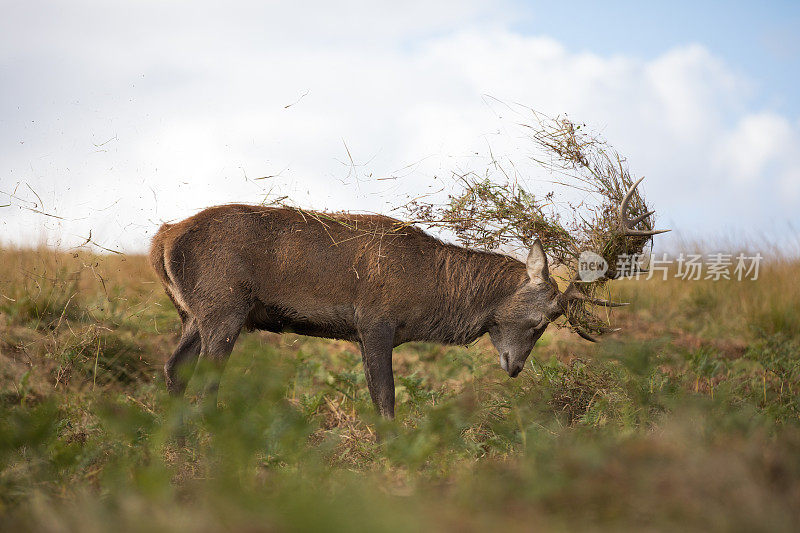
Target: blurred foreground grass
x=688 y=419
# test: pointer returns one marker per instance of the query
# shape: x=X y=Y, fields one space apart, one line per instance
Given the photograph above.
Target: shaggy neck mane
x=472 y=284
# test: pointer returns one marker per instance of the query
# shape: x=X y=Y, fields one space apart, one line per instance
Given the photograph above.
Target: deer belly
x=332 y=323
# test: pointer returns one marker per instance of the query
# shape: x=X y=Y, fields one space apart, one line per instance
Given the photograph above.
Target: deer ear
x=537 y=264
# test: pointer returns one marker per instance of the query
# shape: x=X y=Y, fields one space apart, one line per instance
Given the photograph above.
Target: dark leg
x=376 y=353
x=178 y=367
x=366 y=371
x=218 y=336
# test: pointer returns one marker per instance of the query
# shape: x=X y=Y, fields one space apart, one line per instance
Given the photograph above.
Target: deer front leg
x=376 y=354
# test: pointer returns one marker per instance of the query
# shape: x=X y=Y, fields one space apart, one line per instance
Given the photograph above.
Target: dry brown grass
x=79 y=315
x=727 y=309
x=687 y=420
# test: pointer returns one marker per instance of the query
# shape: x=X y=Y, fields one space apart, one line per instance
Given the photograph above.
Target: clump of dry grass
x=495 y=209
x=491 y=215
x=579 y=387
x=589 y=163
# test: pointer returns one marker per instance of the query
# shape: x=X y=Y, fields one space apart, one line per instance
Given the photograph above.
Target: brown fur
x=364 y=278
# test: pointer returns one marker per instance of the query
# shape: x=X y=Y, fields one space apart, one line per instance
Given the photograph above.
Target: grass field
x=687 y=419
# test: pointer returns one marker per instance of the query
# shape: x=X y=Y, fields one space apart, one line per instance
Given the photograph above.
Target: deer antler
x=574 y=297
x=627 y=224
x=574 y=293
x=582 y=333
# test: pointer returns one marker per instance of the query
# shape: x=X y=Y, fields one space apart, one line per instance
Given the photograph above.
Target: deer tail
x=158 y=261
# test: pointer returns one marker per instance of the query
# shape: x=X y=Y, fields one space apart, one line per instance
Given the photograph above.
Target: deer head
x=523 y=318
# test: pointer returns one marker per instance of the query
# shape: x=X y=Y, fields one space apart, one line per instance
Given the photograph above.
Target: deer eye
x=535 y=323
x=541 y=323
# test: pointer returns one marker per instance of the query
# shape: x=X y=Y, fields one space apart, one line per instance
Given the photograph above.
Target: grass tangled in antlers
x=493 y=210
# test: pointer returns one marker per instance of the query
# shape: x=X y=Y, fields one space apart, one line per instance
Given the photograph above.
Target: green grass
x=688 y=420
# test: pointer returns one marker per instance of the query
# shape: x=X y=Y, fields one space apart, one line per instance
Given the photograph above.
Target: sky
x=116 y=117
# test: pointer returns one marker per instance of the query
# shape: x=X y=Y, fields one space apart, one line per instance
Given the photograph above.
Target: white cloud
x=165 y=109
x=693 y=91
x=763 y=150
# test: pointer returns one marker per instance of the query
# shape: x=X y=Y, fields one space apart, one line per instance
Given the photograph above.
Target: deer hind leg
x=178 y=369
x=376 y=344
x=219 y=330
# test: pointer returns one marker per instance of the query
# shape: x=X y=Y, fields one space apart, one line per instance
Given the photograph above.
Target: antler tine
x=573 y=293
x=644 y=233
x=623 y=207
x=586 y=335
x=606 y=303
x=640 y=218
x=629 y=223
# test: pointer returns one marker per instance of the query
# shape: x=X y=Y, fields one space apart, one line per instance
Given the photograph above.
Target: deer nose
x=514 y=371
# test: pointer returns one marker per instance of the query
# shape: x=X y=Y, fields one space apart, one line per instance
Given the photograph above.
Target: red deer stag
x=364 y=278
